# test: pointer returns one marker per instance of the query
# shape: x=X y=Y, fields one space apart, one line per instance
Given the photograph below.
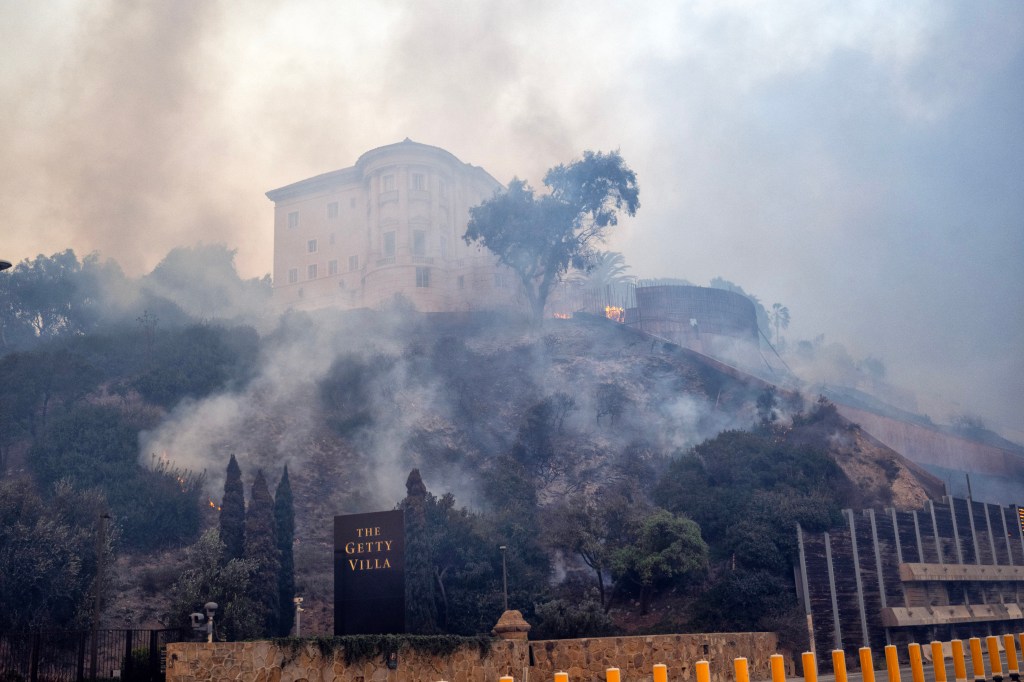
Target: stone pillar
x=511 y=625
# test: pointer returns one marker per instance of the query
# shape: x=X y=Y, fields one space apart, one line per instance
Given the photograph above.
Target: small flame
x=212 y=505
x=615 y=314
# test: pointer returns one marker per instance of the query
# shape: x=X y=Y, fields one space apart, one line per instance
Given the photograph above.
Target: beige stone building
x=389 y=226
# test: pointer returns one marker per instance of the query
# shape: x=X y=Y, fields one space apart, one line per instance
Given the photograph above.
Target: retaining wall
x=584 y=659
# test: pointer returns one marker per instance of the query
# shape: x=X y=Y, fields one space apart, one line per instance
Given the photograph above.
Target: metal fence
x=75 y=655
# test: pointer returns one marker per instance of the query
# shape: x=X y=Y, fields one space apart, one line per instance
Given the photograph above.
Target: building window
x=332 y=210
x=388 y=246
x=353 y=263
x=293 y=276
x=422 y=277
x=418 y=181
x=293 y=220
x=311 y=271
x=444 y=247
x=388 y=183
x=419 y=243
x=311 y=246
x=332 y=267
x=462 y=282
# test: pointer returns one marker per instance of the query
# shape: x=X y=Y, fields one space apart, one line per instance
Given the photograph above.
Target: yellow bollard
x=995 y=662
x=892 y=663
x=660 y=673
x=742 y=670
x=867 y=666
x=703 y=671
x=564 y=677
x=959 y=662
x=810 y=667
x=505 y=678
x=938 y=662
x=916 y=663
x=977 y=660
x=839 y=664
x=778 y=666
x=1012 y=665
x=612 y=675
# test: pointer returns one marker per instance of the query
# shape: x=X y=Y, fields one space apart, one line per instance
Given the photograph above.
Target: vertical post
x=1012 y=666
x=612 y=675
x=1006 y=534
x=101 y=554
x=742 y=670
x=154 y=655
x=778 y=666
x=80 y=670
x=917 y=535
x=959 y=664
x=838 y=665
x=938 y=662
x=892 y=663
x=564 y=677
x=916 y=662
x=878 y=565
x=865 y=640
x=810 y=667
x=504 y=583
x=977 y=660
x=896 y=535
x=867 y=666
x=935 y=533
x=995 y=663
x=33 y=660
x=659 y=673
x=128 y=664
x=974 y=531
x=805 y=591
x=837 y=629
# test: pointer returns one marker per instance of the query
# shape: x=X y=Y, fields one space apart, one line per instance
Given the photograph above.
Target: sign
x=369 y=573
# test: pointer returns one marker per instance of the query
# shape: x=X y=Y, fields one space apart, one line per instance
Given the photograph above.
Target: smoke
x=859 y=164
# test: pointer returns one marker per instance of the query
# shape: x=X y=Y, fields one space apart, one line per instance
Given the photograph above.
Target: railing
x=74 y=656
x=996 y=648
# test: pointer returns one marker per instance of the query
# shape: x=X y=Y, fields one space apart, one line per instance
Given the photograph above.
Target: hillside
x=513 y=422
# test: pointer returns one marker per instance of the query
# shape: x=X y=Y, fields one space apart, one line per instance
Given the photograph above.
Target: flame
x=615 y=314
x=562 y=316
x=212 y=505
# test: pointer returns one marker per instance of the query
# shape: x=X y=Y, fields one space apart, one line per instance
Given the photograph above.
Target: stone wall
x=584 y=659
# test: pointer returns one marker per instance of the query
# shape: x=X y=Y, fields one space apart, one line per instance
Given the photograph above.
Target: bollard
x=995 y=662
x=867 y=666
x=892 y=663
x=977 y=660
x=838 y=664
x=959 y=662
x=612 y=675
x=778 y=666
x=1012 y=666
x=916 y=663
x=505 y=678
x=742 y=670
x=938 y=662
x=703 y=669
x=564 y=677
x=660 y=673
x=810 y=667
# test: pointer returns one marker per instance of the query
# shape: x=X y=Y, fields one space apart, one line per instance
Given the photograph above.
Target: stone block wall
x=584 y=659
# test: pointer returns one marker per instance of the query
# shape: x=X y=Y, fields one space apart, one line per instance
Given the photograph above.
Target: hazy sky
x=860 y=162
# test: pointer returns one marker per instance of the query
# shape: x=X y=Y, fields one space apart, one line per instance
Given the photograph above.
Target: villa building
x=387 y=229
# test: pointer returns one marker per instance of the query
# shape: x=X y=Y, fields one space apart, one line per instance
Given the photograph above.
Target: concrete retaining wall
x=584 y=659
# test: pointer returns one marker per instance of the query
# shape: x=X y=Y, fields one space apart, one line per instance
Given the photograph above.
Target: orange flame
x=212 y=505
x=615 y=314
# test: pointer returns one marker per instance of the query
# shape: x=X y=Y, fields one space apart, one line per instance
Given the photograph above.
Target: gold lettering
x=350 y=548
x=352 y=563
x=388 y=544
x=387 y=564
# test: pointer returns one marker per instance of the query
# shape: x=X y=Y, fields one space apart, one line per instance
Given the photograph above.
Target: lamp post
x=504 y=575
x=298 y=616
x=211 y=608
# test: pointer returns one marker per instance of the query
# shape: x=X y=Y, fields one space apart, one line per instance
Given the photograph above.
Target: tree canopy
x=540 y=237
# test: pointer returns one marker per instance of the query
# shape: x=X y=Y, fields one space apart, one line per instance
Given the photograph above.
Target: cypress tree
x=232 y=513
x=420 y=609
x=284 y=521
x=261 y=549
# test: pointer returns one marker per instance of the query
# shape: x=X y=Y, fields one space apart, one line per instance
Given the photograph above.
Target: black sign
x=369 y=573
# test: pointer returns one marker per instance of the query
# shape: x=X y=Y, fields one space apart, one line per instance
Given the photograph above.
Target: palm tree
x=604 y=268
x=779 y=316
